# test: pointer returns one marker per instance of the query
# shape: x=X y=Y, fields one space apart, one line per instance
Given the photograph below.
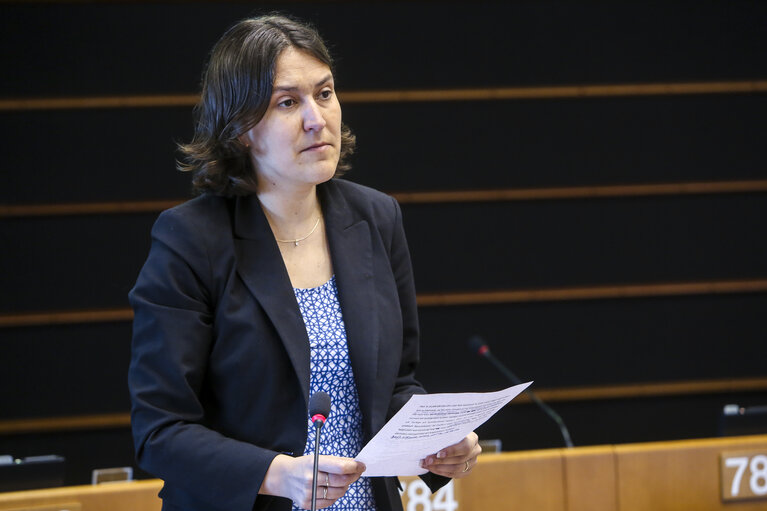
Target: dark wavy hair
x=236 y=91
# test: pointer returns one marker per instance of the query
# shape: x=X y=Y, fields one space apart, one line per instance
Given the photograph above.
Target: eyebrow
x=290 y=88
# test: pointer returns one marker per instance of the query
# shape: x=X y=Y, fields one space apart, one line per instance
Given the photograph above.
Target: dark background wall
x=622 y=264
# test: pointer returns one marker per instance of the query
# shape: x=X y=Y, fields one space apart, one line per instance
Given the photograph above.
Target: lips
x=318 y=145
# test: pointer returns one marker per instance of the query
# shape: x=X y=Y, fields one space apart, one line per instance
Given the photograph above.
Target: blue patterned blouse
x=331 y=371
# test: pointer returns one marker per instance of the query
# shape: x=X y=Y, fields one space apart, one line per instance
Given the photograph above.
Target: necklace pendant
x=295 y=241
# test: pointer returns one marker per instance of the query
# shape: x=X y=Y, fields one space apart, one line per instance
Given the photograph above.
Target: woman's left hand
x=455 y=461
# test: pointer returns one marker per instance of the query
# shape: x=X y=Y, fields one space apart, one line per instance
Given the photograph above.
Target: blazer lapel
x=260 y=265
x=352 y=255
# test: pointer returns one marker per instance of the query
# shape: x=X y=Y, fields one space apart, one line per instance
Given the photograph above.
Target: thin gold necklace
x=295 y=241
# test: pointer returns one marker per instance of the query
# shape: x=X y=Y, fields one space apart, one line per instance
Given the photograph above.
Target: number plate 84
x=416 y=496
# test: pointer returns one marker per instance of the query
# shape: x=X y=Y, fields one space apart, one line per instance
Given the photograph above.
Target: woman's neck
x=289 y=214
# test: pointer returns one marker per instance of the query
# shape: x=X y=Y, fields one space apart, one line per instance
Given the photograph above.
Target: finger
x=338 y=465
x=339 y=473
x=333 y=492
x=326 y=495
x=455 y=471
x=336 y=480
x=459 y=449
x=449 y=463
x=463 y=447
x=451 y=456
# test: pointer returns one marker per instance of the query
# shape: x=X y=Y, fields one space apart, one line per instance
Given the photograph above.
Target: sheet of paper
x=426 y=424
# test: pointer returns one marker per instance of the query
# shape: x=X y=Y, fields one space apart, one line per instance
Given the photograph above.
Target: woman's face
x=298 y=141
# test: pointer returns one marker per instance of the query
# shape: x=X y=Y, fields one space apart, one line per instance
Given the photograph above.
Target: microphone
x=319 y=409
x=478 y=346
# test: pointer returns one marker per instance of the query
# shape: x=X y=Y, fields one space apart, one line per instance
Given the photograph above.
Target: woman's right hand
x=292 y=478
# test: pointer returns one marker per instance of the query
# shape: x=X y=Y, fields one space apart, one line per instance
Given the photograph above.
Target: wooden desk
x=122 y=496
x=659 y=476
x=681 y=476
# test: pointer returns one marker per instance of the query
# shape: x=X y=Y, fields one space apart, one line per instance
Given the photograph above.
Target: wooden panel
x=590 y=479
x=678 y=476
x=567 y=91
x=127 y=496
x=389 y=96
x=591 y=292
x=64 y=506
x=515 y=481
x=573 y=192
x=65 y=317
x=69 y=423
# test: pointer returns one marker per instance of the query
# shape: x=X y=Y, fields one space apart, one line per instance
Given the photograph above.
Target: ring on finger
x=324 y=492
x=466 y=468
x=327 y=478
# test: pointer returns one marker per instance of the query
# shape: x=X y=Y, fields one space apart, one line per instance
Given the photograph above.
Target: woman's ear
x=244 y=140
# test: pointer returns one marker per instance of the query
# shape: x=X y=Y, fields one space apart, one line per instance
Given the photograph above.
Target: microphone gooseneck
x=480 y=347
x=319 y=409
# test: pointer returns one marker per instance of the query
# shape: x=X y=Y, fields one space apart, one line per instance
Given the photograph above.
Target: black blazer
x=219 y=374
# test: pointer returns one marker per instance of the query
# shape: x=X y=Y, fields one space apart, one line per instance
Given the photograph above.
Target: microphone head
x=319 y=406
x=477 y=345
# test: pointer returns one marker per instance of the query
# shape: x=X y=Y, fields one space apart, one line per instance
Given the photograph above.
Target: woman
x=275 y=283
